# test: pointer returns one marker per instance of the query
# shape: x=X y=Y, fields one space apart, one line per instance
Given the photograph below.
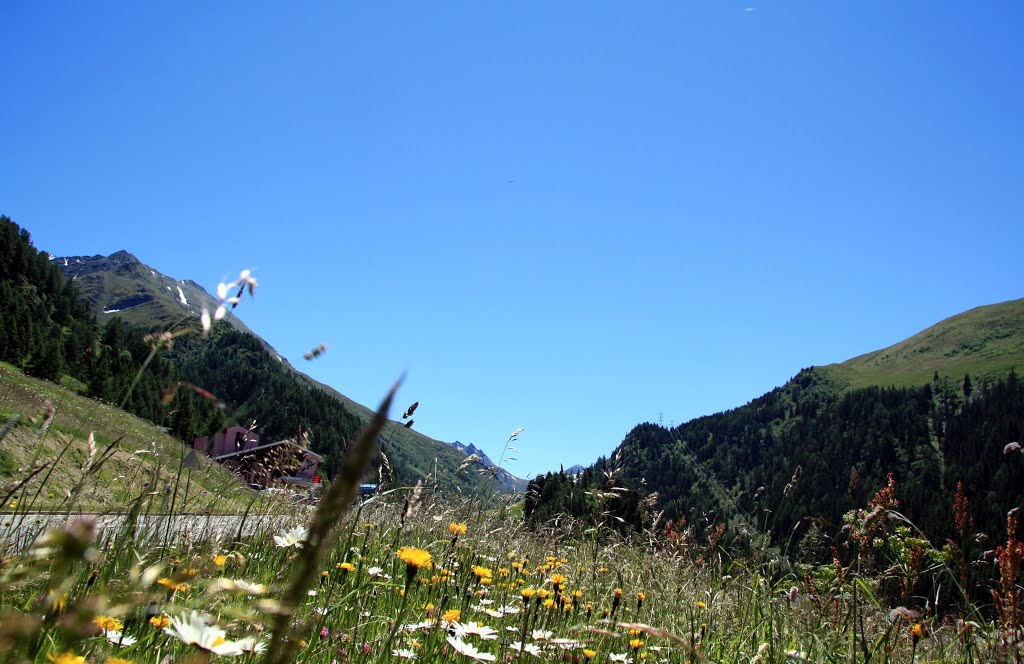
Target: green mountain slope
x=121 y=285
x=985 y=341
x=822 y=444
x=143 y=460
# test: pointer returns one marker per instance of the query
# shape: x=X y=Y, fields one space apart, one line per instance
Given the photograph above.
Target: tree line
x=48 y=331
x=798 y=459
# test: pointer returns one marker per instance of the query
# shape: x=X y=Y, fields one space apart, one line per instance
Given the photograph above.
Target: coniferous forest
x=801 y=459
x=48 y=331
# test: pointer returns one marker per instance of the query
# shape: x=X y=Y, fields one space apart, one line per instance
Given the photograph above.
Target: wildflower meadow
x=414 y=573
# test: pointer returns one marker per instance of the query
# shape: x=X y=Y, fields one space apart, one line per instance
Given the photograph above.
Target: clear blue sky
x=565 y=216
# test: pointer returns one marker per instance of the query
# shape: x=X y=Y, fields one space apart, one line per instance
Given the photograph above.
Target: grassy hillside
x=986 y=341
x=143 y=459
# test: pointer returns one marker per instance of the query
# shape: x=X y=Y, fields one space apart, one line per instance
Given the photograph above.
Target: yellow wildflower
x=451 y=615
x=414 y=558
x=173 y=585
x=108 y=623
x=457 y=529
x=346 y=567
x=66 y=657
x=589 y=654
x=162 y=620
x=57 y=604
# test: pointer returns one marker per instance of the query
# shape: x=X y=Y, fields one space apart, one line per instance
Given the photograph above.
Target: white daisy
x=542 y=634
x=236 y=585
x=621 y=659
x=194 y=630
x=404 y=653
x=468 y=650
x=529 y=648
x=119 y=639
x=291 y=538
x=250 y=644
x=484 y=632
x=424 y=625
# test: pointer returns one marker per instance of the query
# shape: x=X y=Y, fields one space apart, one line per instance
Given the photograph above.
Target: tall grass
x=339 y=591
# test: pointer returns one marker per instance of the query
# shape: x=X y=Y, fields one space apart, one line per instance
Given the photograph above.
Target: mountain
x=985 y=341
x=934 y=411
x=121 y=285
x=506 y=479
x=248 y=374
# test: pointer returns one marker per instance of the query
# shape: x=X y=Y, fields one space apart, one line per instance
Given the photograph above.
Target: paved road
x=19 y=530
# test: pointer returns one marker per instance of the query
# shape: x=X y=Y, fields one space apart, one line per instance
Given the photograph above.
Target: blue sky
x=571 y=217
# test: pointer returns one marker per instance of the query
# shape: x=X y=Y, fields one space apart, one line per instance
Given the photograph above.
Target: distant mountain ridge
x=121 y=285
x=507 y=479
